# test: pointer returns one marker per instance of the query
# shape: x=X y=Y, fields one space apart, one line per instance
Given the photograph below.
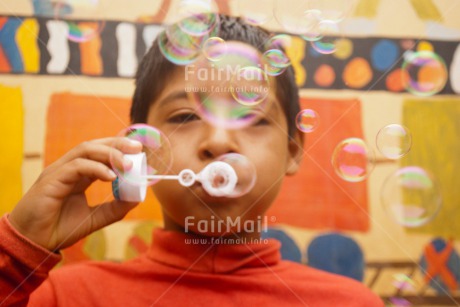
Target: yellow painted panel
x=11 y=147
x=435 y=128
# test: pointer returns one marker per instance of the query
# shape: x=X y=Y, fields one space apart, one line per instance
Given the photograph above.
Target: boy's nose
x=216 y=142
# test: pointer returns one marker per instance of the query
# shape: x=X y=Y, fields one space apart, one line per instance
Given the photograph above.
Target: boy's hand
x=54 y=213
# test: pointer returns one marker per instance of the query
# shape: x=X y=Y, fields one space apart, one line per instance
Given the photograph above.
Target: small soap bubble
x=256 y=12
x=175 y=54
x=245 y=172
x=403 y=282
x=294 y=16
x=411 y=196
x=157 y=150
x=307 y=120
x=71 y=11
x=225 y=112
x=250 y=86
x=214 y=48
x=314 y=31
x=325 y=42
x=426 y=71
x=182 y=48
x=278 y=41
x=324 y=46
x=394 y=141
x=335 y=10
x=407 y=55
x=183 y=41
x=272 y=70
x=276 y=58
x=198 y=17
x=229 y=93
x=353 y=160
x=275 y=62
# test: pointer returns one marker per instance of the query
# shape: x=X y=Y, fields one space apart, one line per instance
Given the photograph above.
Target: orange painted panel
x=316 y=198
x=73 y=119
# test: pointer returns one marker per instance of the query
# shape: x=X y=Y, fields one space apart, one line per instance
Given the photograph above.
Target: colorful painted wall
x=57 y=92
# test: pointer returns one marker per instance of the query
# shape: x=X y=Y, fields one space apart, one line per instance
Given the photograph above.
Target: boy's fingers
x=108 y=151
x=119 y=147
x=110 y=212
x=123 y=144
x=76 y=176
x=111 y=157
x=79 y=168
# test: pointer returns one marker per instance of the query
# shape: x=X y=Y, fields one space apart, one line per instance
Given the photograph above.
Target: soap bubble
x=314 y=31
x=175 y=54
x=307 y=120
x=275 y=62
x=230 y=93
x=271 y=56
x=335 y=10
x=394 y=141
x=274 y=58
x=426 y=71
x=214 y=48
x=295 y=16
x=157 y=152
x=182 y=42
x=198 y=17
x=411 y=196
x=403 y=282
x=278 y=41
x=325 y=42
x=352 y=160
x=250 y=86
x=70 y=11
x=225 y=112
x=220 y=180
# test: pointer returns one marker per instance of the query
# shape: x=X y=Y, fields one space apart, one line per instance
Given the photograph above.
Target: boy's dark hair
x=154 y=71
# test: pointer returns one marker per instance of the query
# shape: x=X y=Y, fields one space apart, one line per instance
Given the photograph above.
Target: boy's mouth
x=200 y=193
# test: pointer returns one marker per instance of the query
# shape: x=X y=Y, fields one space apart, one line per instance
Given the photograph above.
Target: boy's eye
x=183 y=118
x=261 y=122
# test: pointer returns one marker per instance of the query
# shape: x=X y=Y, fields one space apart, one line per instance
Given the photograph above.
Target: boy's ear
x=296 y=151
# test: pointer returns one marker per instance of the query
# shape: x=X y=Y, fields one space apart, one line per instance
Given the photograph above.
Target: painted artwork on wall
x=40 y=45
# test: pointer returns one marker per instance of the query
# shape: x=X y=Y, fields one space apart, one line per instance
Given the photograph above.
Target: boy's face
x=195 y=144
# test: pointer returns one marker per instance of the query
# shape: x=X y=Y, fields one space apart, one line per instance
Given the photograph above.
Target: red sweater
x=171 y=273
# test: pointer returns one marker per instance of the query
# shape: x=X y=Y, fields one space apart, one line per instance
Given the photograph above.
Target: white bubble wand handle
x=217 y=178
x=186 y=177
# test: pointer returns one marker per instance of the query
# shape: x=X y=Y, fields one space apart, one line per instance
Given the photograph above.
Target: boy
x=54 y=213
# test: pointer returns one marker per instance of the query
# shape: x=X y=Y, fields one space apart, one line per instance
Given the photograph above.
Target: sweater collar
x=193 y=253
